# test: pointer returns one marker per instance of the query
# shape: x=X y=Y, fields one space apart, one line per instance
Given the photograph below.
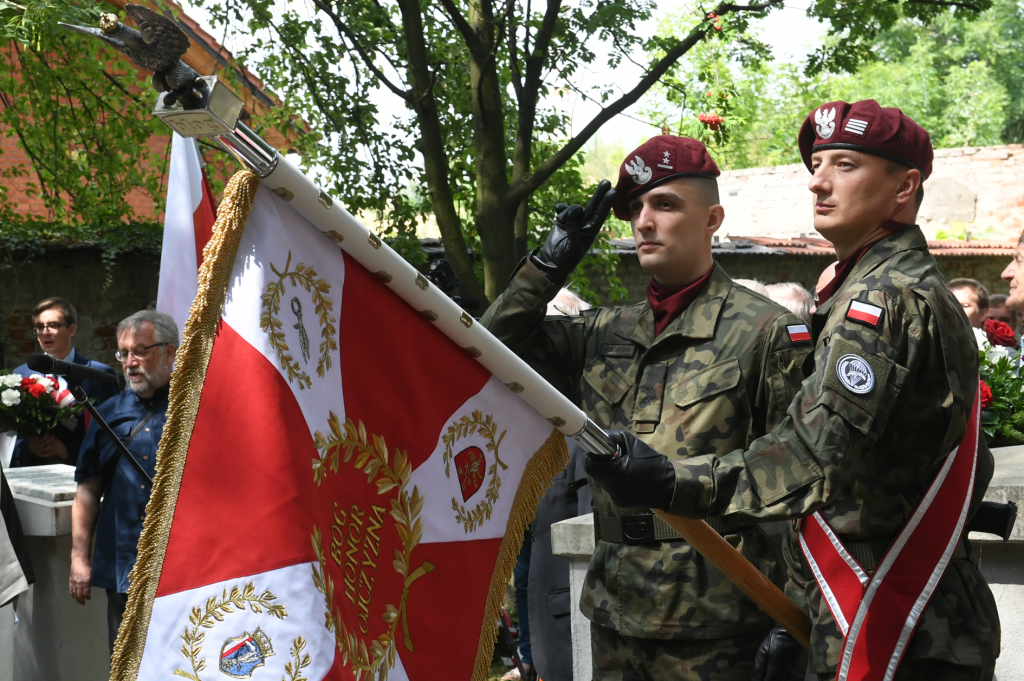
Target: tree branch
x=366 y=57
x=462 y=24
x=523 y=188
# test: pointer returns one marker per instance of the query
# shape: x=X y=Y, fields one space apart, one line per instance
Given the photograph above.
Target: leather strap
x=644 y=528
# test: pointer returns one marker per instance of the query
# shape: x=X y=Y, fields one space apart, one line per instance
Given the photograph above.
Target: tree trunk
x=493 y=219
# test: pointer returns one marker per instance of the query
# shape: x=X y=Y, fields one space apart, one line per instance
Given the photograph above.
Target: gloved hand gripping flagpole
x=204 y=107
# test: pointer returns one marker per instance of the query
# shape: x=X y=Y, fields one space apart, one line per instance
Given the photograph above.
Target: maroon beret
x=656 y=161
x=866 y=126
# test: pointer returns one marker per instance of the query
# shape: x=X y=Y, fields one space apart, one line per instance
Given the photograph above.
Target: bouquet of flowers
x=1002 y=384
x=32 y=406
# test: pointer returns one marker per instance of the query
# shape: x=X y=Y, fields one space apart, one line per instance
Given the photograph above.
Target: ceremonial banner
x=188 y=224
x=342 y=489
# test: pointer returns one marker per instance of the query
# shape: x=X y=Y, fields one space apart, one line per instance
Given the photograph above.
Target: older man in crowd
x=146 y=343
x=55 y=323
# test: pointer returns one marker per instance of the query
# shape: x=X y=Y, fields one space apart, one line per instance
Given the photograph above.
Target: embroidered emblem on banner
x=640 y=172
x=823 y=122
x=469 y=464
x=798 y=333
x=481 y=426
x=856 y=126
x=241 y=655
x=358 y=543
x=302 y=277
x=865 y=313
x=855 y=374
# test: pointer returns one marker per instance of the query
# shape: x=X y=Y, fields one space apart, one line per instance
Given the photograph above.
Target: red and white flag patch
x=865 y=313
x=799 y=333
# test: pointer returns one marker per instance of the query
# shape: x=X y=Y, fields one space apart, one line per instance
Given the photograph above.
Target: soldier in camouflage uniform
x=860 y=450
x=709 y=369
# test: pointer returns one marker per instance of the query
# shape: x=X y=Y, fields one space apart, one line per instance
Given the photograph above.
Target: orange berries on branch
x=712 y=120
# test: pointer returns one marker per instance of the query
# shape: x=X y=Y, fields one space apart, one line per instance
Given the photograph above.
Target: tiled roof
x=818 y=246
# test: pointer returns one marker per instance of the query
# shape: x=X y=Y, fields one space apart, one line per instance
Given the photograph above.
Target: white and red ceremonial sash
x=877 y=614
x=345 y=502
x=188 y=224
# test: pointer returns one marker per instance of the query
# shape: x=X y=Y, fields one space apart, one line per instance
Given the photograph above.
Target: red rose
x=999 y=333
x=986 y=396
x=26 y=382
x=35 y=390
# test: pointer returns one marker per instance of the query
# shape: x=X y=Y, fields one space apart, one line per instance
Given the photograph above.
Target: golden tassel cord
x=186 y=388
x=550 y=459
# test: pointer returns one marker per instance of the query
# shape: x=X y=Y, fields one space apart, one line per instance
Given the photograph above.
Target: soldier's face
x=673 y=225
x=853 y=192
x=1014 y=273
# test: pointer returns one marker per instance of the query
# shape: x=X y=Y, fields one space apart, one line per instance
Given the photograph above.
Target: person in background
x=146 y=343
x=793 y=297
x=55 y=323
x=824 y=279
x=998 y=311
x=753 y=284
x=550 y=602
x=973 y=296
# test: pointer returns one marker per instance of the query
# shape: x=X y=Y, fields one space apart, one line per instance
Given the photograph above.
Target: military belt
x=645 y=528
x=868 y=552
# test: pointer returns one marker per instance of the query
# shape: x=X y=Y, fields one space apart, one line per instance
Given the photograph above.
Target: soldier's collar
x=697 y=321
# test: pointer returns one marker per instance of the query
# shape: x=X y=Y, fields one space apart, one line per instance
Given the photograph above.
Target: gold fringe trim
x=549 y=461
x=187 y=381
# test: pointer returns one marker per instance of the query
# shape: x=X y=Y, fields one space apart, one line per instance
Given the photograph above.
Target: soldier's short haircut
x=166 y=329
x=66 y=309
x=980 y=292
x=707 y=188
x=893 y=167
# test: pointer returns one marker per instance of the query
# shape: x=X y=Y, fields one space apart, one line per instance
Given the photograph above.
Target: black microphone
x=75 y=373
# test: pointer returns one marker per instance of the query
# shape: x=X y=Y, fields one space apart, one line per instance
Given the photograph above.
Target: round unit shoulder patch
x=855 y=374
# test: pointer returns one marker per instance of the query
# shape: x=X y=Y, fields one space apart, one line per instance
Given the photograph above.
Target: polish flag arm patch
x=799 y=333
x=865 y=313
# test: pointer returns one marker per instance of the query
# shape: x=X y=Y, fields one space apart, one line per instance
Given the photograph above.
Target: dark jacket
x=550 y=600
x=72 y=439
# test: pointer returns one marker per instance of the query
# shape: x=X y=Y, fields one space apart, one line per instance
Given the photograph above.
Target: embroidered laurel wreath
x=349 y=443
x=215 y=610
x=485 y=426
x=318 y=288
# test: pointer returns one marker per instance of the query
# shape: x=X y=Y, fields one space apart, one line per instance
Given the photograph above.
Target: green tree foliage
x=81 y=115
x=959 y=75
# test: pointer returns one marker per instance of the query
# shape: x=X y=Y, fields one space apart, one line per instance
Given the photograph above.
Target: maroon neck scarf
x=844 y=267
x=668 y=303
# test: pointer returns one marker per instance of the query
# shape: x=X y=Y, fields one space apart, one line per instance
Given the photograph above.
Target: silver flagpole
x=218 y=118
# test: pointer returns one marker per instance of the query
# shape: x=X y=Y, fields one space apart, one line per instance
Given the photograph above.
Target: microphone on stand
x=45 y=364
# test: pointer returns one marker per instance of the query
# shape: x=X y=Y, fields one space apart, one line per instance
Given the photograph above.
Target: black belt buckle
x=638 y=529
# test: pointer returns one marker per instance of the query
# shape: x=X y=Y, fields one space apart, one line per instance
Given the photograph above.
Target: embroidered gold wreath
x=318 y=288
x=372 y=457
x=485 y=426
x=215 y=610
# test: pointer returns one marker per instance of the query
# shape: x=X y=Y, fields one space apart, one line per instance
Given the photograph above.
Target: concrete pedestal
x=1002 y=564
x=55 y=639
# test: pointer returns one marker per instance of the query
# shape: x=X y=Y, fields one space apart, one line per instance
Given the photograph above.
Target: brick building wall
x=977 y=189
x=77 y=274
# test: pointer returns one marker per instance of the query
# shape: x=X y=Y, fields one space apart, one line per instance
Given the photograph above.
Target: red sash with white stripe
x=877 y=614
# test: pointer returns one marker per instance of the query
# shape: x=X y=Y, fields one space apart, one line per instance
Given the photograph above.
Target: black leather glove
x=780 y=658
x=572 y=236
x=639 y=476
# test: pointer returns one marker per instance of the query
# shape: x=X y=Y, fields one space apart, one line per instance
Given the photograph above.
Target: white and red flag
x=188 y=224
x=341 y=488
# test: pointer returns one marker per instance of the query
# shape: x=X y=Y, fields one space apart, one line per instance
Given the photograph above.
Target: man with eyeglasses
x=55 y=322
x=146 y=343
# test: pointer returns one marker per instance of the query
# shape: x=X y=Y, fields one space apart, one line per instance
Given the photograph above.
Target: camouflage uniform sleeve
x=782 y=368
x=553 y=346
x=804 y=462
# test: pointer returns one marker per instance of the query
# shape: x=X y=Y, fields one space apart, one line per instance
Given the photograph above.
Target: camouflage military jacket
x=864 y=453
x=717 y=378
